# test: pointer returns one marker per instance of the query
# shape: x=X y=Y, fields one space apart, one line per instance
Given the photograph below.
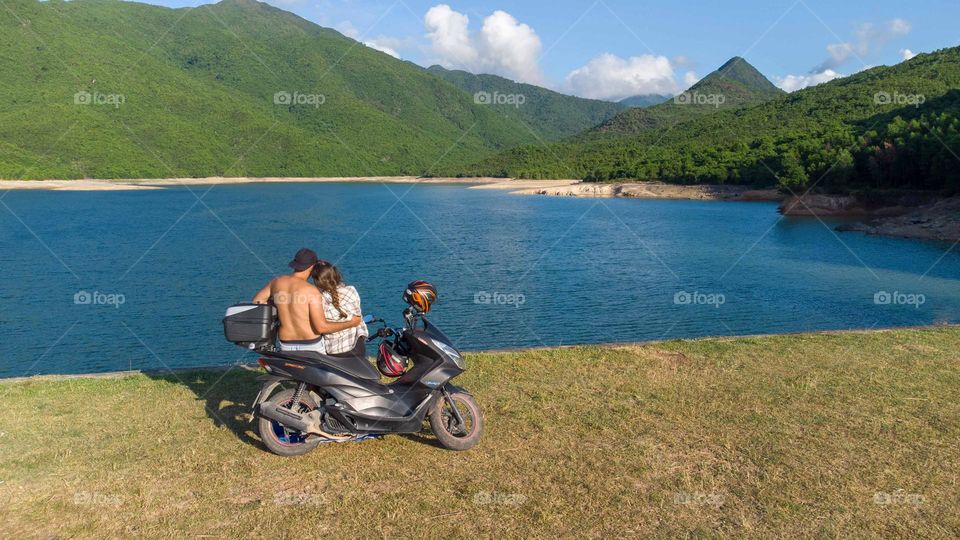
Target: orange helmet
x=420 y=295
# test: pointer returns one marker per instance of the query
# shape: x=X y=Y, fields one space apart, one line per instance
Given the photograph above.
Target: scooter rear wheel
x=284 y=441
x=448 y=430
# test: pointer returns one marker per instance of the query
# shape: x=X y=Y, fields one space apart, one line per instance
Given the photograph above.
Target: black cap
x=305 y=259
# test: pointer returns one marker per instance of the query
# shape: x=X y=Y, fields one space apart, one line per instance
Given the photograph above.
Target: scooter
x=340 y=398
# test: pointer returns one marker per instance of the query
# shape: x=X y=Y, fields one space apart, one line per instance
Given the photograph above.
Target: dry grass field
x=831 y=435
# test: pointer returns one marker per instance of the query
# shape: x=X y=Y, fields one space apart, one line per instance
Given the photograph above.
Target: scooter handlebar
x=381 y=333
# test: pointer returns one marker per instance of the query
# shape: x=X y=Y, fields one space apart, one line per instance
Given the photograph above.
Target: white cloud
x=869 y=38
x=382 y=44
x=690 y=78
x=792 y=83
x=503 y=46
x=907 y=54
x=513 y=46
x=610 y=77
x=900 y=27
x=449 y=36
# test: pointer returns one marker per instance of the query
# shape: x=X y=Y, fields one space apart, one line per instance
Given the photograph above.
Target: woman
x=341 y=302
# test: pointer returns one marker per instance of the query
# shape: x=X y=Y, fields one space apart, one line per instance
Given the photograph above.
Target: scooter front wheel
x=284 y=441
x=453 y=433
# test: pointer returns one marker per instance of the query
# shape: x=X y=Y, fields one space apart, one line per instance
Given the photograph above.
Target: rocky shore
x=919 y=216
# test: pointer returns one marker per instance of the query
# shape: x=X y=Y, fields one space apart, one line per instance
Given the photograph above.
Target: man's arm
x=320 y=323
x=263 y=296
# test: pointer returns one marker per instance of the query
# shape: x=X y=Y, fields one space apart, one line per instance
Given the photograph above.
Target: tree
x=790 y=172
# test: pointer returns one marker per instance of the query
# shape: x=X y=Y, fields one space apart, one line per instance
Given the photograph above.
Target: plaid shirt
x=344 y=340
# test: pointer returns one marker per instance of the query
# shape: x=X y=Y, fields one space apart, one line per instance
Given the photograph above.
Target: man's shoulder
x=287 y=289
x=291 y=282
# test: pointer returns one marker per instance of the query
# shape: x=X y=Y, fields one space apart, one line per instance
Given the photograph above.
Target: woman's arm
x=320 y=323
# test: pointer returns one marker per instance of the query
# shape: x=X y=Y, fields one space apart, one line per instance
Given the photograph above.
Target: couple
x=322 y=317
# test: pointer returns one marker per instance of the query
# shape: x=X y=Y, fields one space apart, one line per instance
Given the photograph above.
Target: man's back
x=300 y=306
x=293 y=297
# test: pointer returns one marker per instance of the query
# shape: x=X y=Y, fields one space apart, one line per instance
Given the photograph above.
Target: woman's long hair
x=327 y=278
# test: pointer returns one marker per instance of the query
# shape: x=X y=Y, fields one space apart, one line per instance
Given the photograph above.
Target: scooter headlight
x=452 y=353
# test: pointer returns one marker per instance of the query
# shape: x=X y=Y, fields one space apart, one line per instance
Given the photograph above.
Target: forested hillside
x=884 y=128
x=644 y=101
x=551 y=115
x=107 y=89
x=736 y=84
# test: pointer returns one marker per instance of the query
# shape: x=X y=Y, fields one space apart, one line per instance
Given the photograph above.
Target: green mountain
x=739 y=82
x=644 y=101
x=551 y=115
x=107 y=89
x=884 y=128
x=735 y=85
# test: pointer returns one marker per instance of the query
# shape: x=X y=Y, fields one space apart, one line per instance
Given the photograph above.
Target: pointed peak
x=735 y=61
x=739 y=78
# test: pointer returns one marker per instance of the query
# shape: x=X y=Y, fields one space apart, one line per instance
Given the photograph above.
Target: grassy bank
x=810 y=436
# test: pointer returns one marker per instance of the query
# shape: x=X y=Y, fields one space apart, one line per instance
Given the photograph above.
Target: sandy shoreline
x=561 y=188
x=636 y=190
x=160 y=183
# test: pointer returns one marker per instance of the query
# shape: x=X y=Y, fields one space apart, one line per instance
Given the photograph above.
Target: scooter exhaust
x=304 y=423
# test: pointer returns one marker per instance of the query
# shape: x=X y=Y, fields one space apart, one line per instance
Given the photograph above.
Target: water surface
x=512 y=271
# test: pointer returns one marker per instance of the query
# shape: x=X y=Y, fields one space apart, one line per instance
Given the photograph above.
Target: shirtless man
x=300 y=307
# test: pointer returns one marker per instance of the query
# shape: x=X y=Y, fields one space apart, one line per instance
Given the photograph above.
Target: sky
x=611 y=49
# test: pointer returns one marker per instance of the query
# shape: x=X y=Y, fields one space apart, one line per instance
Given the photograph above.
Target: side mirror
x=367 y=319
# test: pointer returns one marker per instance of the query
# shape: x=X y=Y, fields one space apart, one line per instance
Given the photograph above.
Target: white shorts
x=315 y=345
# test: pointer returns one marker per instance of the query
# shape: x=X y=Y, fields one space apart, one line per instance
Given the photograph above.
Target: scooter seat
x=354 y=366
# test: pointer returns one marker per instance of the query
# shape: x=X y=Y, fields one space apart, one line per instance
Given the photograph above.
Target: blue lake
x=160 y=267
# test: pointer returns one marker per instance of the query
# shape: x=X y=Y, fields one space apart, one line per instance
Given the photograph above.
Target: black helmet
x=389 y=362
x=420 y=295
